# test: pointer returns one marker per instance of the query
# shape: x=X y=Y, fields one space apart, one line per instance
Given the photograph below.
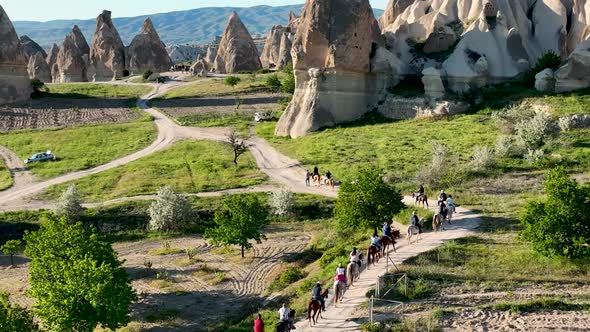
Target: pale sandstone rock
x=147 y=52
x=80 y=41
x=211 y=54
x=433 y=83
x=39 y=69
x=52 y=55
x=15 y=84
x=545 y=81
x=285 y=52
x=200 y=68
x=237 y=51
x=440 y=40
x=71 y=66
x=393 y=10
x=575 y=73
x=30 y=47
x=183 y=53
x=277 y=48
x=294 y=21
x=107 y=53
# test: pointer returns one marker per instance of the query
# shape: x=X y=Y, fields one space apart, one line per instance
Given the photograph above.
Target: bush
x=14 y=318
x=432 y=174
x=547 y=60
x=503 y=146
x=332 y=254
x=38 y=87
x=288 y=84
x=273 y=83
x=232 y=81
x=483 y=158
x=281 y=202
x=264 y=71
x=69 y=205
x=559 y=225
x=565 y=123
x=534 y=156
x=170 y=211
x=533 y=133
x=146 y=74
x=290 y=276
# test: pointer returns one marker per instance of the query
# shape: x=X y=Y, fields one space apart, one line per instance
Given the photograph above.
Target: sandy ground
x=20 y=176
x=62 y=112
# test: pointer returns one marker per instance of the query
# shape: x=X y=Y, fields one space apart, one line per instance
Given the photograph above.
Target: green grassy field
x=5 y=177
x=80 y=147
x=89 y=90
x=216 y=87
x=188 y=166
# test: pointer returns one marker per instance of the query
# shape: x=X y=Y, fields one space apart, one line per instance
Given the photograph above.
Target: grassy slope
x=188 y=166
x=5 y=177
x=98 y=90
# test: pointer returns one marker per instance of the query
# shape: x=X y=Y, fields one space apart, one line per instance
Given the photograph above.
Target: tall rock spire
x=107 y=53
x=147 y=52
x=237 y=51
x=14 y=79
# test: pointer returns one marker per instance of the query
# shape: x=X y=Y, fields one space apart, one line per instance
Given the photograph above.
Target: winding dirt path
x=20 y=176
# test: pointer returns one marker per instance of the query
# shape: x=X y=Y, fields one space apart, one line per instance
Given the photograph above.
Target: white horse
x=415 y=231
x=352 y=273
x=450 y=211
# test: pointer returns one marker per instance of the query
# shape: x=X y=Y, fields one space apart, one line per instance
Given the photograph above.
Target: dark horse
x=314 y=308
x=285 y=326
x=372 y=255
x=386 y=241
x=421 y=199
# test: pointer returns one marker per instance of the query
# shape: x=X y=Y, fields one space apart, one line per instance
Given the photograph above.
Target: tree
x=281 y=202
x=14 y=318
x=238 y=222
x=76 y=278
x=11 y=247
x=232 y=81
x=69 y=205
x=288 y=84
x=238 y=144
x=170 y=211
x=273 y=83
x=559 y=225
x=367 y=202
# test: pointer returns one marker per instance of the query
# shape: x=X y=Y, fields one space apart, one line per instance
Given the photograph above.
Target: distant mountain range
x=196 y=26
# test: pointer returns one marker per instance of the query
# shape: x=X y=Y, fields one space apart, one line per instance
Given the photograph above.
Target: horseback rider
x=316 y=171
x=328 y=175
x=317 y=295
x=442 y=210
x=340 y=274
x=354 y=257
x=340 y=270
x=421 y=190
x=415 y=222
x=442 y=197
x=284 y=316
x=451 y=203
x=375 y=240
x=387 y=230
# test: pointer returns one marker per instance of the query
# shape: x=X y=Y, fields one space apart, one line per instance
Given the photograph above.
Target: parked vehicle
x=43 y=156
x=264 y=116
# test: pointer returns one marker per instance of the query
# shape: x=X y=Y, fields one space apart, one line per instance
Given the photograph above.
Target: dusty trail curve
x=20 y=176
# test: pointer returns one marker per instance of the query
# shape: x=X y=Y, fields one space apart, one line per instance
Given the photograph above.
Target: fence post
x=377 y=288
x=371 y=310
x=406 y=285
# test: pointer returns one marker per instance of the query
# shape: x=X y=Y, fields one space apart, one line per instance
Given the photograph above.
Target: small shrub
x=191 y=253
x=38 y=87
x=69 y=205
x=146 y=74
x=565 y=123
x=331 y=255
x=534 y=156
x=483 y=158
x=232 y=81
x=290 y=276
x=281 y=202
x=503 y=146
x=288 y=84
x=547 y=60
x=170 y=211
x=273 y=83
x=533 y=133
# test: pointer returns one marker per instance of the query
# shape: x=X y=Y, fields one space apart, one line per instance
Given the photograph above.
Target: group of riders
x=309 y=176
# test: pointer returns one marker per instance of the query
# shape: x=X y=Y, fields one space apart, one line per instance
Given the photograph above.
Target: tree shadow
x=216 y=101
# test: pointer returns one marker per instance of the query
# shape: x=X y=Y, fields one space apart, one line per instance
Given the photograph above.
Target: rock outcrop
x=80 y=41
x=211 y=54
x=341 y=70
x=433 y=84
x=545 y=81
x=147 y=52
x=30 y=47
x=393 y=10
x=237 y=51
x=70 y=65
x=277 y=49
x=107 y=53
x=52 y=55
x=200 y=68
x=184 y=53
x=15 y=84
x=39 y=69
x=575 y=73
x=294 y=21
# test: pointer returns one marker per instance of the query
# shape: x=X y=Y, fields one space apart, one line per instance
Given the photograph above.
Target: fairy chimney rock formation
x=276 y=41
x=147 y=52
x=237 y=51
x=30 y=47
x=199 y=68
x=15 y=84
x=52 y=55
x=80 y=41
x=211 y=54
x=39 y=69
x=394 y=9
x=107 y=53
x=294 y=21
x=70 y=64
x=336 y=45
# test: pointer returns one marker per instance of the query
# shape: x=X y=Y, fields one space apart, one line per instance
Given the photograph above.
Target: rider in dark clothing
x=443 y=210
x=442 y=197
x=387 y=230
x=328 y=175
x=316 y=171
x=421 y=190
x=415 y=221
x=317 y=295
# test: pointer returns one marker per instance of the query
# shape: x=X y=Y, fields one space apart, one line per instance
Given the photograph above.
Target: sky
x=46 y=10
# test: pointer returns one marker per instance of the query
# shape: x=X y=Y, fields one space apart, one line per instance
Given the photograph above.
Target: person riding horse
x=415 y=221
x=375 y=240
x=285 y=317
x=317 y=295
x=442 y=210
x=387 y=230
x=354 y=257
x=316 y=171
x=442 y=197
x=420 y=191
x=340 y=270
x=451 y=203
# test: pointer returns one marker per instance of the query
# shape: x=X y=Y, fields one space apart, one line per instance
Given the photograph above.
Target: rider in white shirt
x=354 y=256
x=340 y=270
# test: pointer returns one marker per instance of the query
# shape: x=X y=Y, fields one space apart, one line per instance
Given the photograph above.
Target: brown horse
x=314 y=308
x=372 y=255
x=420 y=199
x=437 y=222
x=386 y=241
x=331 y=183
x=317 y=179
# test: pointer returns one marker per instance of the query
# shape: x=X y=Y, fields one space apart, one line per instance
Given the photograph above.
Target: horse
x=372 y=252
x=437 y=222
x=413 y=230
x=339 y=288
x=314 y=308
x=317 y=179
x=352 y=272
x=450 y=211
x=285 y=326
x=385 y=242
x=331 y=183
x=421 y=199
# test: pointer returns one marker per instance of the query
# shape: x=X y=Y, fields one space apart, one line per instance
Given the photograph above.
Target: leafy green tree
x=69 y=204
x=548 y=60
x=76 y=278
x=367 y=202
x=11 y=247
x=560 y=224
x=170 y=211
x=14 y=318
x=273 y=83
x=238 y=222
x=232 y=81
x=288 y=83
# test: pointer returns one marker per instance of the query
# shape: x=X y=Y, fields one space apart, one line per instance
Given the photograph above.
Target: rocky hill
x=191 y=26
